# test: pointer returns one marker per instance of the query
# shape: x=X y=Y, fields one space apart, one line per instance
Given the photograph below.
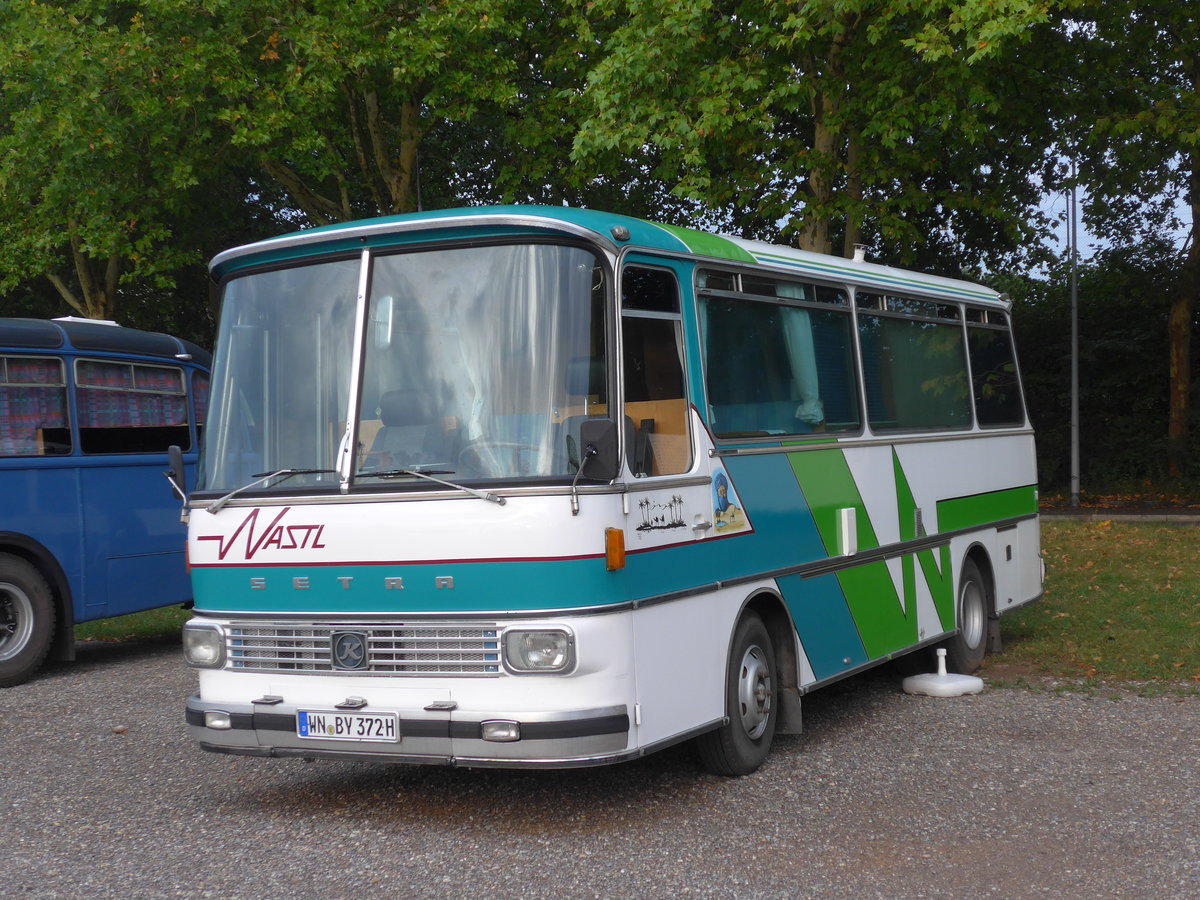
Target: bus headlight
x=545 y=651
x=203 y=646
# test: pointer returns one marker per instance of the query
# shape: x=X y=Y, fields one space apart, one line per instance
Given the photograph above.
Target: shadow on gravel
x=517 y=801
x=93 y=655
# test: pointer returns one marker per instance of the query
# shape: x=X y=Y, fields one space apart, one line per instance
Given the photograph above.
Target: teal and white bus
x=524 y=486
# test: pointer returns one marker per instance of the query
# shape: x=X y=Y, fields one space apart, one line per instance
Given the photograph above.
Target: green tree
x=333 y=100
x=107 y=136
x=1136 y=133
x=1123 y=362
x=823 y=116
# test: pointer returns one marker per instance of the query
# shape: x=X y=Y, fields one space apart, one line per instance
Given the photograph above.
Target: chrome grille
x=466 y=649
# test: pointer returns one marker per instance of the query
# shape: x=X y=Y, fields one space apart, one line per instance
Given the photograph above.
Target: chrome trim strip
x=658 y=483
x=348 y=460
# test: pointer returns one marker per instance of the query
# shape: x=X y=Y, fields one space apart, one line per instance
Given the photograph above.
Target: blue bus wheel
x=26 y=619
x=751 y=703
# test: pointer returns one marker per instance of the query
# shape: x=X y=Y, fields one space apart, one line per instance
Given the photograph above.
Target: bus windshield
x=478 y=363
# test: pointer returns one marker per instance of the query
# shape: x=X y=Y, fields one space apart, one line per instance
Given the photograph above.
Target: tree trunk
x=854 y=195
x=97 y=291
x=815 y=231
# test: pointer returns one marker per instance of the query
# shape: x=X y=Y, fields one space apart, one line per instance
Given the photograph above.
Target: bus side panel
x=890 y=495
x=134 y=539
x=40 y=503
x=680 y=656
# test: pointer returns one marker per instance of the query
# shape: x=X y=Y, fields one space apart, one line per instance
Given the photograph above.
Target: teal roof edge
x=363 y=232
x=602 y=226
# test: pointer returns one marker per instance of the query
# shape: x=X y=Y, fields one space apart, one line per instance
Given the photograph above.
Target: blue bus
x=88 y=528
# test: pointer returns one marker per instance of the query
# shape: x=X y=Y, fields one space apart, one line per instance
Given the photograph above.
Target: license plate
x=334 y=725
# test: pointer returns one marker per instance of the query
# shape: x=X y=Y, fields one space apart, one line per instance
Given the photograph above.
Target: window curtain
x=797 y=334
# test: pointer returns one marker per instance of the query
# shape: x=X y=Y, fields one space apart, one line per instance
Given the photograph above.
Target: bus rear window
x=33 y=407
x=130 y=407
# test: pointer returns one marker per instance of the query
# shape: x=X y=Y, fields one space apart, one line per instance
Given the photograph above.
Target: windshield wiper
x=261 y=477
x=428 y=476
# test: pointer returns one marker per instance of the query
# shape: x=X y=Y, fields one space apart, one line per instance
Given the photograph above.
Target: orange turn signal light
x=614 y=548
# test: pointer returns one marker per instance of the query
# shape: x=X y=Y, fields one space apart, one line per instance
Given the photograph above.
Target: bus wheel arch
x=974 y=607
x=760 y=672
x=27 y=617
x=62 y=647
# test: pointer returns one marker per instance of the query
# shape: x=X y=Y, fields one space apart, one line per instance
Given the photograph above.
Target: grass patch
x=151 y=625
x=1122 y=604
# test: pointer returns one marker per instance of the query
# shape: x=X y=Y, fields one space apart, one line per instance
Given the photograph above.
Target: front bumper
x=441 y=737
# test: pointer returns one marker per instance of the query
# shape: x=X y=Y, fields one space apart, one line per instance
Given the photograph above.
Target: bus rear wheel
x=965 y=651
x=741 y=745
x=26 y=619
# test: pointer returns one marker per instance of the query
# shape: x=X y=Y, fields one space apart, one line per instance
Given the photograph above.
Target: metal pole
x=1073 y=241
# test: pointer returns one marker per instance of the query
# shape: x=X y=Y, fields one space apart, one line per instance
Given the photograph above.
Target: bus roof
x=97 y=337
x=616 y=231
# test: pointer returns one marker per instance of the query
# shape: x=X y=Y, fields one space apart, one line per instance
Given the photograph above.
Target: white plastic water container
x=942 y=683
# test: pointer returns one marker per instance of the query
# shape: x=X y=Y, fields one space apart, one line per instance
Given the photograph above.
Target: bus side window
x=130 y=407
x=994 y=377
x=33 y=407
x=658 y=439
x=914 y=364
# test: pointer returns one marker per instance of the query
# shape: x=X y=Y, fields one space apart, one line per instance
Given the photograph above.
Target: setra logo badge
x=348 y=650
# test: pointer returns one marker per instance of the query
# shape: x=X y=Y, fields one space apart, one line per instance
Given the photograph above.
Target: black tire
x=26 y=619
x=972 y=605
x=741 y=745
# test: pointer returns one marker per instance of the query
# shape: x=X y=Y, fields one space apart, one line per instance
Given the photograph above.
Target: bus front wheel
x=965 y=650
x=741 y=745
x=26 y=619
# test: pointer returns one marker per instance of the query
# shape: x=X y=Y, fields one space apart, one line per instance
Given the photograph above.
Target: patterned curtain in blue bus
x=117 y=395
x=33 y=407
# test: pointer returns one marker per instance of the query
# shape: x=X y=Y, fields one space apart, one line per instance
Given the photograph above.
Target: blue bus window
x=33 y=407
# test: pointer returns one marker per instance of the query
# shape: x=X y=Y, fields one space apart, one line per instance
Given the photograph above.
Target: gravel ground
x=1011 y=794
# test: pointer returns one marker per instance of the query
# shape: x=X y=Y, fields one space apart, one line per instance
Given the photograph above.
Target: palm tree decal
x=658 y=516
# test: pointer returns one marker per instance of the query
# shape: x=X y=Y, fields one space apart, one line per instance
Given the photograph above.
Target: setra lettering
x=390 y=583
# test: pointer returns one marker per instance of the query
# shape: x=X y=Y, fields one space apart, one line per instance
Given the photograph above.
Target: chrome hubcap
x=16 y=620
x=971 y=615
x=755 y=692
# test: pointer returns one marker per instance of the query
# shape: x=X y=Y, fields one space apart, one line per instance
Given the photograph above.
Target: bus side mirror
x=599 y=460
x=177 y=478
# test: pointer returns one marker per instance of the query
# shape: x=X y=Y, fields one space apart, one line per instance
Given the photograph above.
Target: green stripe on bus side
x=882 y=621
x=937 y=573
x=983 y=509
x=704 y=244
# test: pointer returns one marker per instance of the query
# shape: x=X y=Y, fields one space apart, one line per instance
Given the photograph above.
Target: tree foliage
x=1135 y=127
x=106 y=137
x=822 y=117
x=138 y=138
x=1123 y=364
x=333 y=99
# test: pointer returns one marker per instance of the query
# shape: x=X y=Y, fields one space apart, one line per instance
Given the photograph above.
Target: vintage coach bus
x=553 y=487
